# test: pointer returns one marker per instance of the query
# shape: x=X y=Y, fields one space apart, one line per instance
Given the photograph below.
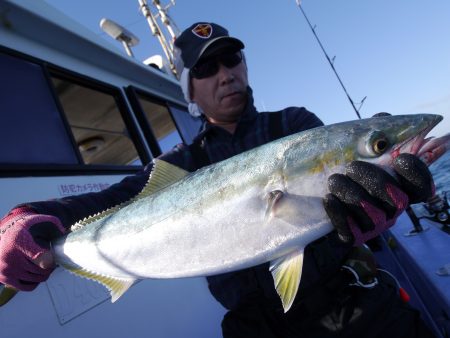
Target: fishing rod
x=172 y=29
x=330 y=61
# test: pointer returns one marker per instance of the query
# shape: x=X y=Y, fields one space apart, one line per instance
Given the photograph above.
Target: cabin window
x=189 y=125
x=97 y=124
x=30 y=121
x=161 y=123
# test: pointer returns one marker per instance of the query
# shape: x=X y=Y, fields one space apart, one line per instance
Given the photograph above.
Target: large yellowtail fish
x=264 y=205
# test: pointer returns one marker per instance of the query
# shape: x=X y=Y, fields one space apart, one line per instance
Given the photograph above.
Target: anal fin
x=116 y=286
x=286 y=272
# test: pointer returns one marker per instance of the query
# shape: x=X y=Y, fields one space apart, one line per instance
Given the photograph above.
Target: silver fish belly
x=264 y=205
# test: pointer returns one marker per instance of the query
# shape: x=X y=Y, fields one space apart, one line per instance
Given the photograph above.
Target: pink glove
x=24 y=240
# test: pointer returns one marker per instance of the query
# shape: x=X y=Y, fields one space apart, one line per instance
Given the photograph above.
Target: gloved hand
x=25 y=258
x=367 y=200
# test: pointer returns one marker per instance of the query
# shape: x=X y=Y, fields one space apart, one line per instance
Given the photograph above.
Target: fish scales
x=164 y=222
x=264 y=205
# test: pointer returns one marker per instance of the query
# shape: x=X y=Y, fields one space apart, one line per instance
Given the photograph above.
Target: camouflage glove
x=25 y=258
x=367 y=200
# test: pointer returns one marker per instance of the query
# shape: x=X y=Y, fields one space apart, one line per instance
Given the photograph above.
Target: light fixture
x=119 y=33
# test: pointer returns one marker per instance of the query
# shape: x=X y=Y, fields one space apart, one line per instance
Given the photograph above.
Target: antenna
x=120 y=34
x=331 y=61
x=172 y=30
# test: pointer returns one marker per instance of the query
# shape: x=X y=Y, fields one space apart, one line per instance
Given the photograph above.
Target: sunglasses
x=210 y=66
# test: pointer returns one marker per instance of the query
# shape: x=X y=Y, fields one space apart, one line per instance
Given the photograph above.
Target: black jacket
x=214 y=144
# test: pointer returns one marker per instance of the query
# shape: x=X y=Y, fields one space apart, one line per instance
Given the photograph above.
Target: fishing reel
x=438 y=211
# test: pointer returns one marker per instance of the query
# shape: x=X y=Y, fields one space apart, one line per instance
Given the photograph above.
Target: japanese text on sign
x=73 y=189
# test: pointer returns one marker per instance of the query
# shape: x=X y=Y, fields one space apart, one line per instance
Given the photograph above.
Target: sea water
x=441 y=173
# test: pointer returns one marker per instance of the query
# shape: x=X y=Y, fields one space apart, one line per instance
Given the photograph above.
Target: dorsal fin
x=162 y=175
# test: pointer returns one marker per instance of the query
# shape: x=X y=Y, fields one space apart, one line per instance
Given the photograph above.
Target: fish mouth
x=432 y=148
x=427 y=149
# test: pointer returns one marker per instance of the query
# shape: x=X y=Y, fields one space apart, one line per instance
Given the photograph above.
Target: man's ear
x=191 y=90
x=185 y=83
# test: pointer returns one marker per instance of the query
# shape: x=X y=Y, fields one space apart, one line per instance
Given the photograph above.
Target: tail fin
x=6 y=294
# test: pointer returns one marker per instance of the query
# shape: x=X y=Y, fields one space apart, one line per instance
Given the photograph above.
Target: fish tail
x=6 y=294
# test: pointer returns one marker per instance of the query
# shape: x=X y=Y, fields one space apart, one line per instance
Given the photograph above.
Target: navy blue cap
x=202 y=39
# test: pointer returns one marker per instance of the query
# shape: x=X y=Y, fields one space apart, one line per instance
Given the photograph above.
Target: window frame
x=49 y=69
x=119 y=99
x=133 y=93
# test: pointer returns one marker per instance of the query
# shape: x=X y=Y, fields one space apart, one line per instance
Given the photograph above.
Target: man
x=213 y=76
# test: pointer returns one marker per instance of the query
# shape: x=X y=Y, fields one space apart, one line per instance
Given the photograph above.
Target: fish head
x=325 y=150
x=387 y=137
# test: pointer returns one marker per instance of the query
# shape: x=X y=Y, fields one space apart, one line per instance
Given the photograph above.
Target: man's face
x=223 y=95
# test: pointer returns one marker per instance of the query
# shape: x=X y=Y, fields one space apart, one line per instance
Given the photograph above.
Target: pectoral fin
x=272 y=201
x=286 y=272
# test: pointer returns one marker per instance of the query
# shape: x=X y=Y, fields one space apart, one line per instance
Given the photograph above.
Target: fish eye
x=374 y=145
x=380 y=145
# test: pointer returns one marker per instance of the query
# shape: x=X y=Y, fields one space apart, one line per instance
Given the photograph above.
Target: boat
x=78 y=116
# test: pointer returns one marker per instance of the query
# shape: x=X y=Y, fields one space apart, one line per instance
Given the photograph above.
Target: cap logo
x=203 y=30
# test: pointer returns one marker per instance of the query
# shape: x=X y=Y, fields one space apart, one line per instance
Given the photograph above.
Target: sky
x=395 y=54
